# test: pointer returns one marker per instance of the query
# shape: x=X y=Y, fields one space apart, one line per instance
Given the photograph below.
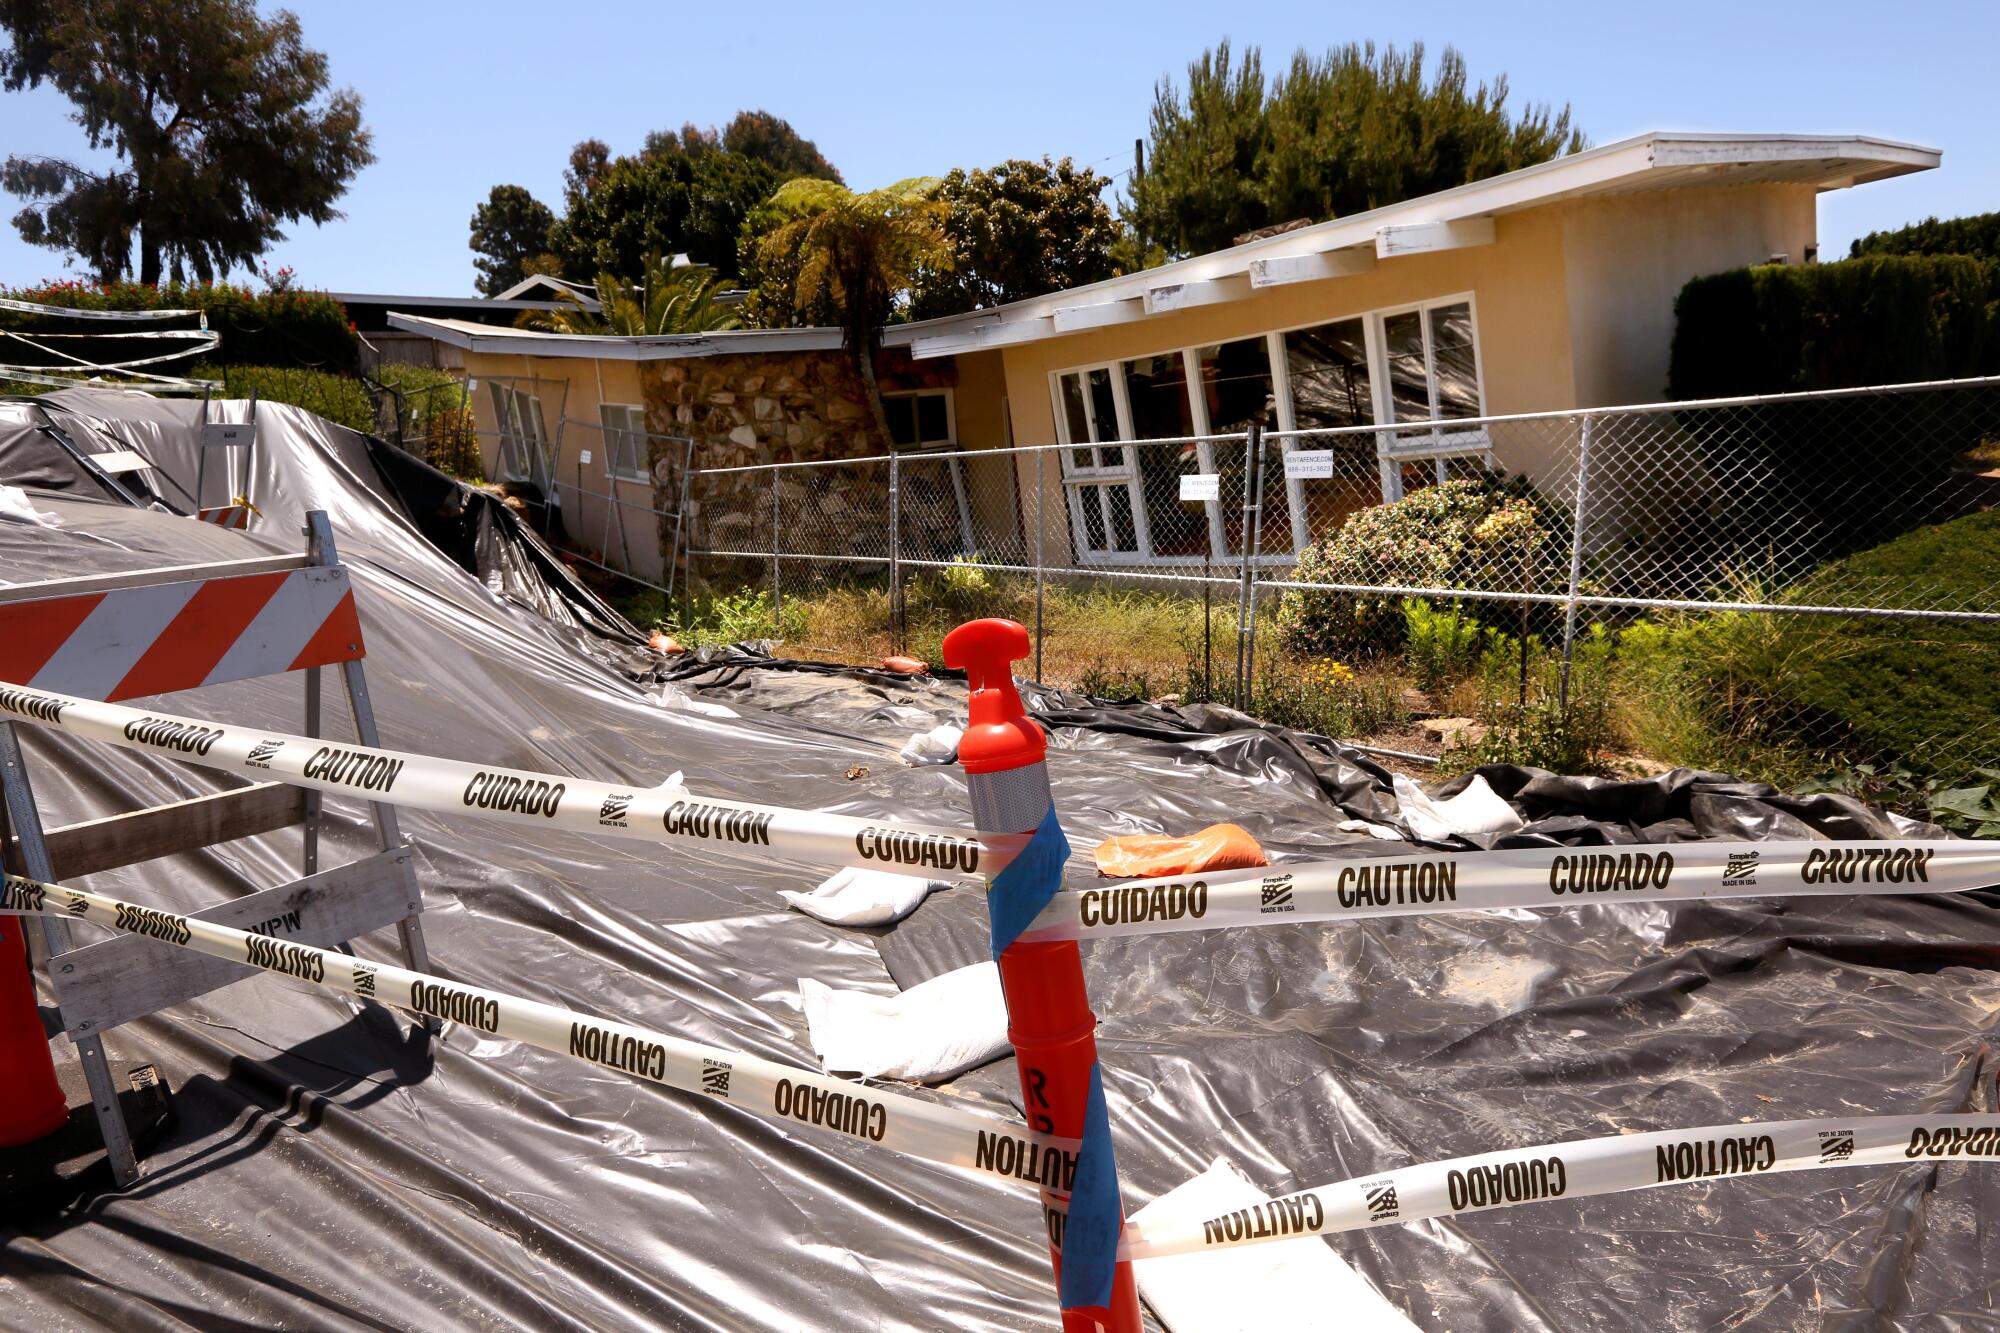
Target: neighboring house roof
x=371 y=310
x=546 y=287
x=1448 y=219
x=527 y=342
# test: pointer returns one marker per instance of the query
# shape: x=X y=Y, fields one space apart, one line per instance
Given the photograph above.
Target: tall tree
x=862 y=252
x=771 y=139
x=510 y=234
x=221 y=121
x=757 y=135
x=1019 y=230
x=1977 y=235
x=1341 y=133
x=664 y=201
x=1200 y=184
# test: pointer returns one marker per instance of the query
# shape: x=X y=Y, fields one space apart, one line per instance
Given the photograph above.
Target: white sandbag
x=1301 y=1286
x=1380 y=831
x=939 y=745
x=14 y=504
x=931 y=1031
x=854 y=896
x=1477 y=809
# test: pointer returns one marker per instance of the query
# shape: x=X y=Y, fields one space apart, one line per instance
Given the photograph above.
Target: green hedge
x=279 y=326
x=1814 y=473
x=341 y=399
x=1888 y=319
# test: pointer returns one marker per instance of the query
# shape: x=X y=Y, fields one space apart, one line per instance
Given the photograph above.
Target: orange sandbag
x=1148 y=855
x=663 y=642
x=908 y=666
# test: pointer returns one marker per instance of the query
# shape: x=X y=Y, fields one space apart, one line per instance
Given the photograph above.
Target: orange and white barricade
x=135 y=635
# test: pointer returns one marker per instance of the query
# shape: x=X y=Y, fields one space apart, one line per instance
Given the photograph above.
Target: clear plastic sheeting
x=328 y=1172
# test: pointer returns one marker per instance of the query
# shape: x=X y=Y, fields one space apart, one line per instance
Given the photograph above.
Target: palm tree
x=670 y=300
x=863 y=250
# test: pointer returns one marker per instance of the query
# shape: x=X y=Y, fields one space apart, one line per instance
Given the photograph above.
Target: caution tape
x=71 y=312
x=538 y=800
x=1577 y=1170
x=1426 y=883
x=1416 y=884
x=750 y=1083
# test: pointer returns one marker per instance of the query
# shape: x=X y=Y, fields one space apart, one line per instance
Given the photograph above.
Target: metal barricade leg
x=410 y=930
x=27 y=825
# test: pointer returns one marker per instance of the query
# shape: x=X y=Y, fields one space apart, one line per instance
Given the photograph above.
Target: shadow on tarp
x=218 y=1122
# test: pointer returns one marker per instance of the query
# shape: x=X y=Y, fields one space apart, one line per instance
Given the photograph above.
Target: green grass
x=1926 y=693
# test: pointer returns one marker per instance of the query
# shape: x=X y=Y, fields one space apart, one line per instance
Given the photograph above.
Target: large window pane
x=933 y=426
x=1156 y=388
x=1452 y=361
x=1074 y=419
x=1157 y=391
x=624 y=440
x=1409 y=382
x=1093 y=517
x=1236 y=385
x=1103 y=414
x=1328 y=366
x=902 y=414
x=1119 y=499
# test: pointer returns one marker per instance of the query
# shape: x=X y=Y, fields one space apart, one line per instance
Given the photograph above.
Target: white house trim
x=1422 y=238
x=1278 y=271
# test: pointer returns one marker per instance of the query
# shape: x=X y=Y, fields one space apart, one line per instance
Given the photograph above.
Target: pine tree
x=1342 y=133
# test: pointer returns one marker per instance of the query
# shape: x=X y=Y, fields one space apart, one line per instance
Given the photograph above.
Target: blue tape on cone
x=1030 y=881
x=1090 y=1237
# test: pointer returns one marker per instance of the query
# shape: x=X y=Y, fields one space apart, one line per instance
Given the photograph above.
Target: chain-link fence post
x=1255 y=540
x=1253 y=450
x=1575 y=561
x=895 y=557
x=777 y=588
x=1041 y=561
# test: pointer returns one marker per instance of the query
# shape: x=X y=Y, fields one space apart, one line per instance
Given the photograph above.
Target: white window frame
x=518 y=415
x=1099 y=477
x=1441 y=443
x=612 y=434
x=950 y=440
x=1393 y=448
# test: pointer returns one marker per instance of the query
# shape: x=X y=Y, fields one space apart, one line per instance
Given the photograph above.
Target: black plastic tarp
x=328 y=1172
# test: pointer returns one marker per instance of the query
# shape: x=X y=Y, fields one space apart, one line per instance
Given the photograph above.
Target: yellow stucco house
x=1544 y=289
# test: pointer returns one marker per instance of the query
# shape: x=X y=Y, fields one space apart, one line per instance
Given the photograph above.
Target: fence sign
x=1308 y=464
x=1201 y=486
x=583 y=457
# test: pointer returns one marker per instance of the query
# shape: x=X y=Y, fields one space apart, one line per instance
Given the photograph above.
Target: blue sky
x=462 y=97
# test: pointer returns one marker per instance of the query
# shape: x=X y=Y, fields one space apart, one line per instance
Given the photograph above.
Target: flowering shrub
x=1456 y=534
x=282 y=325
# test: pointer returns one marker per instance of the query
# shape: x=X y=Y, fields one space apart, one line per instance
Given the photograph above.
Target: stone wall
x=742 y=410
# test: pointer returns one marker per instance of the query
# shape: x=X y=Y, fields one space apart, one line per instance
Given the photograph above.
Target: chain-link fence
x=434 y=421
x=1784 y=585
